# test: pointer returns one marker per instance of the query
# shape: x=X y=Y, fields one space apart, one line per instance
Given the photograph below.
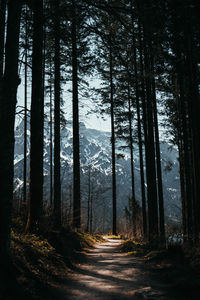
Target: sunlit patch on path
x=110 y=274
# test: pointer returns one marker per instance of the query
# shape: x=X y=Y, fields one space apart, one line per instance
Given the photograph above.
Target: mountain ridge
x=95 y=153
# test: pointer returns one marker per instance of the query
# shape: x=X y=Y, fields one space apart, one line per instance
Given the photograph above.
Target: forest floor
x=110 y=274
x=68 y=265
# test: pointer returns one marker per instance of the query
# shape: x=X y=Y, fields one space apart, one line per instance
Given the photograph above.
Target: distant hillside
x=95 y=152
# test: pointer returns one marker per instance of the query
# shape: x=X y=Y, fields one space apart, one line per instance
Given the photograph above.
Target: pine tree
x=37 y=119
x=51 y=137
x=158 y=168
x=112 y=107
x=76 y=142
x=2 y=33
x=138 y=109
x=193 y=99
x=8 y=91
x=25 y=108
x=57 y=83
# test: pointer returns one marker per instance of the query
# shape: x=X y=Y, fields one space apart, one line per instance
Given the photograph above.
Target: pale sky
x=91 y=120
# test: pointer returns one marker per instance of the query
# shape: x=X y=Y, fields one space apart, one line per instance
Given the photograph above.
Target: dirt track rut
x=109 y=274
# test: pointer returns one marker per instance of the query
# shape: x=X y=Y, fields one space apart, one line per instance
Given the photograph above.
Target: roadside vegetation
x=39 y=261
x=177 y=266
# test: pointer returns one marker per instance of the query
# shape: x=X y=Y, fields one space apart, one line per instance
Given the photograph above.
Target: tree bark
x=25 y=110
x=134 y=215
x=37 y=120
x=57 y=183
x=91 y=212
x=2 y=34
x=183 y=194
x=187 y=163
x=76 y=142
x=193 y=100
x=8 y=91
x=89 y=196
x=158 y=165
x=114 y=200
x=51 y=141
x=144 y=215
x=184 y=136
x=150 y=159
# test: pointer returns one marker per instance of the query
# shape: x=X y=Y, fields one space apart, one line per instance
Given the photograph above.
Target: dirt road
x=109 y=274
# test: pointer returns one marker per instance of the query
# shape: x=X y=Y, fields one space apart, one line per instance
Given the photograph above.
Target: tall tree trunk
x=37 y=122
x=70 y=218
x=187 y=162
x=2 y=34
x=181 y=160
x=182 y=185
x=51 y=141
x=150 y=159
x=147 y=106
x=134 y=215
x=114 y=200
x=104 y=215
x=8 y=91
x=184 y=136
x=89 y=196
x=144 y=216
x=91 y=212
x=57 y=183
x=25 y=109
x=193 y=100
x=158 y=165
x=76 y=142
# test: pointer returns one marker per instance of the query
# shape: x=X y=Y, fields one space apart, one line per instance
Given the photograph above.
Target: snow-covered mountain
x=95 y=153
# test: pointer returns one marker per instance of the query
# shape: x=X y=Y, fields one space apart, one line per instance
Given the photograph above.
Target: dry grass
x=111 y=236
x=39 y=261
x=176 y=266
x=133 y=248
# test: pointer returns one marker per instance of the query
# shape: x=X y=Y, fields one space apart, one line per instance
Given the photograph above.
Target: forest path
x=109 y=274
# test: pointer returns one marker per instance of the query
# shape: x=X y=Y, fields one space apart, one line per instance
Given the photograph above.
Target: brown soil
x=109 y=274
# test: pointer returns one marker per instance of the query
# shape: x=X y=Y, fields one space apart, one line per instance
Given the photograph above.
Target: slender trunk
x=150 y=162
x=144 y=216
x=25 y=110
x=37 y=120
x=147 y=105
x=89 y=196
x=193 y=100
x=51 y=142
x=114 y=221
x=186 y=157
x=158 y=167
x=149 y=141
x=182 y=185
x=91 y=213
x=2 y=34
x=104 y=215
x=134 y=215
x=185 y=131
x=189 y=109
x=143 y=93
x=57 y=182
x=76 y=142
x=181 y=163
x=70 y=203
x=43 y=68
x=8 y=91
